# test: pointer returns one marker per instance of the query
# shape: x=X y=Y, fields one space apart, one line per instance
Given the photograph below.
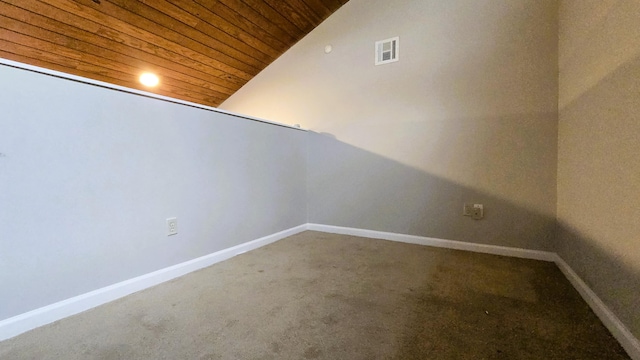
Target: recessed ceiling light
x=149 y=79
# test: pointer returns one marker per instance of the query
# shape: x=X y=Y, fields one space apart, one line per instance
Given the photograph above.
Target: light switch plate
x=467 y=210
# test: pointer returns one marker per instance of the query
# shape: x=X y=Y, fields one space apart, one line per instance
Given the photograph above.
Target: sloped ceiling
x=203 y=51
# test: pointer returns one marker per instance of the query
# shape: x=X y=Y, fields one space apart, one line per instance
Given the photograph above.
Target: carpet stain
x=329 y=320
x=275 y=347
x=231 y=323
x=153 y=324
x=116 y=352
x=275 y=310
x=312 y=353
x=210 y=357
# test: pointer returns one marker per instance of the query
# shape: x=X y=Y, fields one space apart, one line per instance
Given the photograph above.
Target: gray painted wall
x=468 y=114
x=599 y=148
x=89 y=175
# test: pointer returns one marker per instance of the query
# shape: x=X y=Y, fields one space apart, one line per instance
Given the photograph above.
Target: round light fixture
x=149 y=79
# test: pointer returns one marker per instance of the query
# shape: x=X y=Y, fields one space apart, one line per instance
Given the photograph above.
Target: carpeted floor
x=324 y=296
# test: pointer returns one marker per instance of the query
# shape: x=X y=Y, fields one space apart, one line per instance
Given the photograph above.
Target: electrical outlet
x=478 y=211
x=172 y=226
x=467 y=210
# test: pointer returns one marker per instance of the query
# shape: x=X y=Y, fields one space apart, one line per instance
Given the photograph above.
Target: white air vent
x=387 y=51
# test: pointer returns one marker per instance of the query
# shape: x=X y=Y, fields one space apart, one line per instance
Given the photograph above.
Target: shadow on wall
x=598 y=171
x=352 y=187
x=472 y=306
x=616 y=283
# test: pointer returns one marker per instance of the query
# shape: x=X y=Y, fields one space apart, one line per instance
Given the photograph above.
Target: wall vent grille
x=387 y=51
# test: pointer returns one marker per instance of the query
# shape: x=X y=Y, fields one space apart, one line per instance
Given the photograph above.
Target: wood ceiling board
x=298 y=12
x=266 y=11
x=118 y=43
x=51 y=61
x=276 y=46
x=24 y=51
x=140 y=27
x=122 y=37
x=212 y=25
x=101 y=69
x=202 y=50
x=118 y=30
x=322 y=9
x=20 y=39
x=253 y=17
x=159 y=21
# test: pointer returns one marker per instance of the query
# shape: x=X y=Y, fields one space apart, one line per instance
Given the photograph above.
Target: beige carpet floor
x=324 y=296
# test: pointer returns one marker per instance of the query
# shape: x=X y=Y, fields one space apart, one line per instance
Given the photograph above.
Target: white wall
x=89 y=175
x=468 y=114
x=599 y=147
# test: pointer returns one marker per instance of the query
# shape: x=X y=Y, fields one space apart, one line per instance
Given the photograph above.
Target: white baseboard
x=624 y=336
x=441 y=243
x=30 y=320
x=629 y=342
x=19 y=324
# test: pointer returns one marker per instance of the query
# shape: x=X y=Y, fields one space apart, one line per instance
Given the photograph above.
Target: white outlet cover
x=172 y=226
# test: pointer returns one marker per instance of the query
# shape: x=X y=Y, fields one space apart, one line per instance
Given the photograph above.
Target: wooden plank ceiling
x=202 y=50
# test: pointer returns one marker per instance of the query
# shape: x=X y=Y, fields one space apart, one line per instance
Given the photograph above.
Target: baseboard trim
x=624 y=336
x=45 y=315
x=435 y=242
x=24 y=322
